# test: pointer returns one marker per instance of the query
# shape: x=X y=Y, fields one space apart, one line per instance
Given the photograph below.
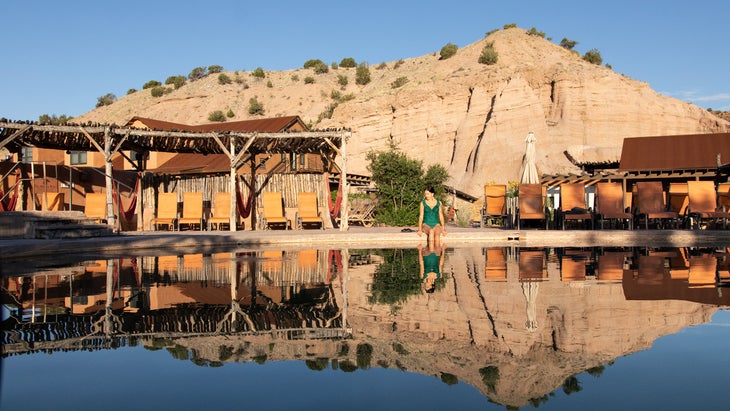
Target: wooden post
x=345 y=211
x=232 y=188
x=108 y=177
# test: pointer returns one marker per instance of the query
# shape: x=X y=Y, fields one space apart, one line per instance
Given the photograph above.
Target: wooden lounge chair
x=307 y=212
x=52 y=201
x=192 y=215
x=610 y=204
x=273 y=212
x=495 y=205
x=610 y=266
x=723 y=196
x=573 y=204
x=532 y=265
x=573 y=267
x=649 y=205
x=166 y=211
x=531 y=203
x=496 y=264
x=362 y=211
x=703 y=204
x=95 y=207
x=679 y=265
x=702 y=271
x=221 y=211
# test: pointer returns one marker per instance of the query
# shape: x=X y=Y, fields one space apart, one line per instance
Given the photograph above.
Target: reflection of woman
x=431 y=219
x=431 y=262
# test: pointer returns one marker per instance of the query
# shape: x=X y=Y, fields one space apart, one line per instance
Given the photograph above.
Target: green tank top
x=431 y=215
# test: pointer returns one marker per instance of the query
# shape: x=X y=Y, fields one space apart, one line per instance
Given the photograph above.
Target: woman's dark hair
x=430 y=189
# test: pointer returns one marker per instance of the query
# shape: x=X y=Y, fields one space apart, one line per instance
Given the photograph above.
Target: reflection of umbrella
x=530 y=289
x=529 y=169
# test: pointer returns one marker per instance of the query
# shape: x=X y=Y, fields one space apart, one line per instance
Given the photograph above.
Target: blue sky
x=59 y=57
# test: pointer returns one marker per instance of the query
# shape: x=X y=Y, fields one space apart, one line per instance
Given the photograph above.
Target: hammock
x=8 y=204
x=244 y=209
x=334 y=265
x=129 y=212
x=334 y=208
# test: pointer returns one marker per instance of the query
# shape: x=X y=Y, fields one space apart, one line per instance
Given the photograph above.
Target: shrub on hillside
x=215 y=69
x=53 y=119
x=224 y=79
x=216 y=116
x=309 y=80
x=489 y=55
x=362 y=74
x=399 y=82
x=348 y=62
x=381 y=66
x=258 y=73
x=254 y=107
x=342 y=80
x=534 y=32
x=197 y=73
x=568 y=44
x=398 y=64
x=150 y=84
x=510 y=26
x=448 y=51
x=593 y=56
x=230 y=113
x=313 y=63
x=131 y=91
x=176 y=81
x=158 y=91
x=105 y=100
x=321 y=69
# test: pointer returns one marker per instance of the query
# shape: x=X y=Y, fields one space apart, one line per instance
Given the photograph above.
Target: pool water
x=503 y=328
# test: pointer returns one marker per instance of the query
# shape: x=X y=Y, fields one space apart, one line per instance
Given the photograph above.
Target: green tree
x=400 y=181
x=568 y=44
x=348 y=62
x=215 y=69
x=342 y=80
x=53 y=119
x=321 y=69
x=490 y=376
x=230 y=113
x=217 y=116
x=254 y=107
x=362 y=74
x=534 y=32
x=105 y=100
x=448 y=51
x=158 y=91
x=313 y=63
x=131 y=91
x=394 y=280
x=593 y=56
x=197 y=73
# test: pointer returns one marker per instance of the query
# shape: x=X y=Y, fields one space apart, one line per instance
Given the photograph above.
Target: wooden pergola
x=239 y=147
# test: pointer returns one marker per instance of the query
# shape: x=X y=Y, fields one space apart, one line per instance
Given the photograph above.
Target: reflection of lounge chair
x=531 y=203
x=495 y=204
x=702 y=271
x=703 y=204
x=723 y=267
x=532 y=265
x=95 y=207
x=573 y=204
x=573 y=267
x=307 y=212
x=649 y=204
x=677 y=198
x=166 y=211
x=496 y=264
x=52 y=201
x=723 y=196
x=610 y=204
x=273 y=213
x=221 y=211
x=192 y=211
x=652 y=269
x=679 y=265
x=610 y=266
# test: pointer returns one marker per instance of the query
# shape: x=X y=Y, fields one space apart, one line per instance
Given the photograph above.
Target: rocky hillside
x=469 y=117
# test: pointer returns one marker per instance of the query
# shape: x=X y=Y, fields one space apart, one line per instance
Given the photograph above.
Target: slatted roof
x=14 y=135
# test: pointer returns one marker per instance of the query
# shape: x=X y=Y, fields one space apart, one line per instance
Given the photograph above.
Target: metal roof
x=681 y=152
x=264 y=125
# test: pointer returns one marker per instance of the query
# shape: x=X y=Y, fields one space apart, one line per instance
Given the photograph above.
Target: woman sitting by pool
x=431 y=262
x=431 y=219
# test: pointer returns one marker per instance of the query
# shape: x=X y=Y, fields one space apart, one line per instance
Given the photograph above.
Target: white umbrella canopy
x=529 y=173
x=530 y=290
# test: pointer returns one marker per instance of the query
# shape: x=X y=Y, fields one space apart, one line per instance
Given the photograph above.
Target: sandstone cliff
x=469 y=117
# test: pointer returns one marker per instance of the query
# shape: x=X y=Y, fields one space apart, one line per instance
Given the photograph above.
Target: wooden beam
x=14 y=135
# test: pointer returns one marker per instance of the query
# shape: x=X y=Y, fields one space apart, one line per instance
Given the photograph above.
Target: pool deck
x=140 y=243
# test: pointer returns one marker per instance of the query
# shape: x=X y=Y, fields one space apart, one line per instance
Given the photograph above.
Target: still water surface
x=504 y=328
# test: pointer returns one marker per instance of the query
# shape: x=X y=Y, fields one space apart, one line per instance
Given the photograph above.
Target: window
x=78 y=157
x=27 y=153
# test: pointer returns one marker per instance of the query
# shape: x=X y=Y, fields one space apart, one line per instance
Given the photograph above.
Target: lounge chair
x=495 y=205
x=573 y=204
x=192 y=215
x=307 y=212
x=221 y=211
x=610 y=204
x=649 y=205
x=723 y=196
x=361 y=211
x=703 y=204
x=610 y=266
x=273 y=212
x=531 y=203
x=496 y=264
x=573 y=267
x=95 y=207
x=52 y=201
x=702 y=271
x=166 y=211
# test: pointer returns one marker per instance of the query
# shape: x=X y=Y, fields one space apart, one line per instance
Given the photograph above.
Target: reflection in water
x=516 y=323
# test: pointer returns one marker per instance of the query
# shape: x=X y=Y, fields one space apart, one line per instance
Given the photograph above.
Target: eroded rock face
x=469 y=117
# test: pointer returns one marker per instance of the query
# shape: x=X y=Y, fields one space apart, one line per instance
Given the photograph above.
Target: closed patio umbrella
x=529 y=169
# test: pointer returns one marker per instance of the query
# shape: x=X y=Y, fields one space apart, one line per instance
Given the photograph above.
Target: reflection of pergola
x=239 y=147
